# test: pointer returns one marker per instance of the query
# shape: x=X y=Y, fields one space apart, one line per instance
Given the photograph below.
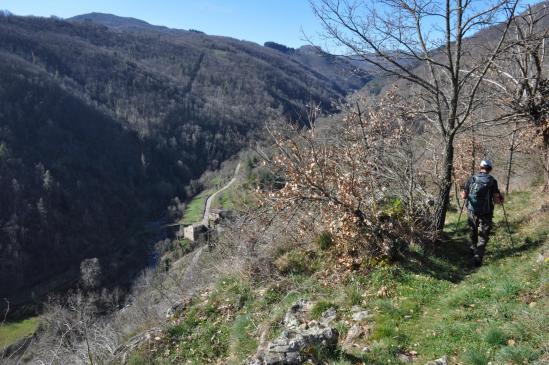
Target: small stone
x=441 y=361
x=366 y=349
x=360 y=316
x=356 y=308
x=405 y=358
x=273 y=358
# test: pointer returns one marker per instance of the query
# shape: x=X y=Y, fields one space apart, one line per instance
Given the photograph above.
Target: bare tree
x=392 y=35
x=90 y=273
x=519 y=76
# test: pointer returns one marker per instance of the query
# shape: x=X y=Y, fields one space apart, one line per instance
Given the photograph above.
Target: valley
x=374 y=194
x=172 y=104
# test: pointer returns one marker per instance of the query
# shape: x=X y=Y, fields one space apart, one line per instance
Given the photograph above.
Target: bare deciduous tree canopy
x=435 y=35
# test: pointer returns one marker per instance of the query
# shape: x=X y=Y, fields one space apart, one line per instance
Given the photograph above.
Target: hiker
x=481 y=192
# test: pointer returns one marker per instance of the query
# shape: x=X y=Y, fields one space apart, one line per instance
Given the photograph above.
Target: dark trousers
x=480 y=227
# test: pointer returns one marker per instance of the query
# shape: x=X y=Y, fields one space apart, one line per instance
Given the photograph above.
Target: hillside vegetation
x=346 y=242
x=104 y=121
x=431 y=304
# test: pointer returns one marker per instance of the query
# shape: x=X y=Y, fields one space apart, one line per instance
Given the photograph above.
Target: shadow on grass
x=446 y=260
x=343 y=355
x=450 y=258
x=516 y=247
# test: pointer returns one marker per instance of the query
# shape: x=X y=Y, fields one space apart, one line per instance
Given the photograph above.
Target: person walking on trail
x=481 y=192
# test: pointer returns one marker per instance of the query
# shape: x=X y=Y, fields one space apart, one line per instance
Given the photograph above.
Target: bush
x=475 y=357
x=354 y=294
x=296 y=262
x=324 y=240
x=495 y=336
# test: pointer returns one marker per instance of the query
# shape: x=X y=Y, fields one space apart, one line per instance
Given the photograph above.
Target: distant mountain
x=114 y=21
x=338 y=70
x=5 y=13
x=105 y=119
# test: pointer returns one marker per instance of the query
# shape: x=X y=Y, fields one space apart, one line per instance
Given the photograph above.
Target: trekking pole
x=459 y=217
x=507 y=223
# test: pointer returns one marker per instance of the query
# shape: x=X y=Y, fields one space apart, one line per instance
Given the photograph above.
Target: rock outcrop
x=299 y=336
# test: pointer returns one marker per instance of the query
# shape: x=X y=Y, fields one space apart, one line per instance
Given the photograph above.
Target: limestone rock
x=442 y=361
x=328 y=316
x=177 y=310
x=354 y=333
x=296 y=313
x=405 y=358
x=299 y=335
x=361 y=315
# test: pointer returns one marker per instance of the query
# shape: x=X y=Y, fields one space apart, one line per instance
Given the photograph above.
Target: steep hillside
x=100 y=126
x=68 y=191
x=340 y=70
x=433 y=304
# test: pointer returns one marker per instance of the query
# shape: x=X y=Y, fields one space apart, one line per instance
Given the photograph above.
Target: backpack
x=480 y=194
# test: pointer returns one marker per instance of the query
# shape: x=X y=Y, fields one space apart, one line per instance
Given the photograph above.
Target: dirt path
x=212 y=197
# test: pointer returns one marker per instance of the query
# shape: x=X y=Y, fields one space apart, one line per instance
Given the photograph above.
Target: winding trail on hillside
x=188 y=276
x=210 y=199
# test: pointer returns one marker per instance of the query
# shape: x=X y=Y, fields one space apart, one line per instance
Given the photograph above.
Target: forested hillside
x=100 y=126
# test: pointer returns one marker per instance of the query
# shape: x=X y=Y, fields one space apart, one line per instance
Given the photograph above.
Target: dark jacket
x=493 y=189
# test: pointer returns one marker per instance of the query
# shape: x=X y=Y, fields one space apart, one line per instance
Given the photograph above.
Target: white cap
x=486 y=163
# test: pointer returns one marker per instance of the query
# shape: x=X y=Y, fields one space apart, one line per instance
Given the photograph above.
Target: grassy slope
x=195 y=209
x=12 y=332
x=433 y=304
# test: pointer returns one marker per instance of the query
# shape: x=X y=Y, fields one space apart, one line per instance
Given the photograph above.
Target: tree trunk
x=445 y=186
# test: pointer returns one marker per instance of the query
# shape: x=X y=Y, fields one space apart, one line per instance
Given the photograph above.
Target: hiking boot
x=477 y=261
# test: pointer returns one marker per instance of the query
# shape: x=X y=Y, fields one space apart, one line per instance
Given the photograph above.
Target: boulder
x=298 y=337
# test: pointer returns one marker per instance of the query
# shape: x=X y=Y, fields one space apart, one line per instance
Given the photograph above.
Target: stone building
x=195 y=232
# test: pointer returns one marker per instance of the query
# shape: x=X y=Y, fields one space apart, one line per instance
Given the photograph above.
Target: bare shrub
x=359 y=181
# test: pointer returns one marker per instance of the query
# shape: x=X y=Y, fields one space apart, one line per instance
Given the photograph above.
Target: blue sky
x=254 y=20
x=281 y=21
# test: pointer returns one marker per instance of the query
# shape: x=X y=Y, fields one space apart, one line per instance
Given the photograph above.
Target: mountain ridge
x=184 y=102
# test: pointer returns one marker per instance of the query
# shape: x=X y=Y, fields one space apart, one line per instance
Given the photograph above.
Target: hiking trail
x=210 y=199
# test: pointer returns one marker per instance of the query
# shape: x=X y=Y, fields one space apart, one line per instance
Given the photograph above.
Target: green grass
x=225 y=200
x=12 y=332
x=230 y=198
x=440 y=305
x=434 y=302
x=195 y=209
